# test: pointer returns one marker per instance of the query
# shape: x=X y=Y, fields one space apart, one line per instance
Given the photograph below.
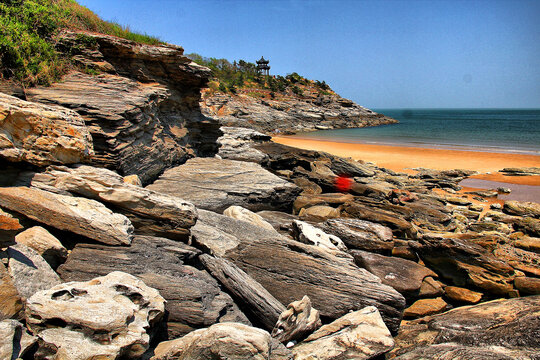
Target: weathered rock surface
x=358 y=335
x=281 y=221
x=42 y=135
x=462 y=352
x=309 y=234
x=462 y=295
x=223 y=341
x=256 y=300
x=299 y=320
x=523 y=171
x=424 y=307
x=292 y=114
x=15 y=341
x=150 y=212
x=75 y=214
x=9 y=227
x=289 y=270
x=528 y=285
x=319 y=213
x=512 y=325
x=522 y=208
x=360 y=234
x=10 y=301
x=403 y=275
x=236 y=144
x=46 y=245
x=29 y=271
x=105 y=317
x=239 y=213
x=215 y=184
x=142 y=110
x=194 y=299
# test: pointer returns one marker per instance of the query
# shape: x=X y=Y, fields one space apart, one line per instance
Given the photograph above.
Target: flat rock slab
x=290 y=269
x=194 y=299
x=513 y=325
x=215 y=184
x=360 y=234
x=41 y=134
x=74 y=214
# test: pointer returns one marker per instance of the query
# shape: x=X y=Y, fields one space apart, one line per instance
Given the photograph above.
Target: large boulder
x=511 y=325
x=105 y=317
x=358 y=335
x=236 y=144
x=299 y=320
x=223 y=341
x=239 y=213
x=360 y=234
x=150 y=212
x=194 y=299
x=42 y=135
x=289 y=270
x=74 y=214
x=215 y=184
x=46 y=245
x=30 y=272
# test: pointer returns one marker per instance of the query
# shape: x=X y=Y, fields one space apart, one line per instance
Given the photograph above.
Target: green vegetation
x=27 y=37
x=243 y=75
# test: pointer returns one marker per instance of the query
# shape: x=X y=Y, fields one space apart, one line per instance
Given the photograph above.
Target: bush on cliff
x=27 y=31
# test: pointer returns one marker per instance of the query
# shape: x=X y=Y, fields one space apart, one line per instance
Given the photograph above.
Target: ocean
x=497 y=130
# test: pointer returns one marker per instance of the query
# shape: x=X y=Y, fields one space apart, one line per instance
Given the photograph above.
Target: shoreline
x=406 y=158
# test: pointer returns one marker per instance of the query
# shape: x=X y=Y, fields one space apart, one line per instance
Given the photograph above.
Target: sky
x=380 y=53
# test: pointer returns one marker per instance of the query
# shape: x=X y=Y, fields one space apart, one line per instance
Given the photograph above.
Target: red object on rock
x=343 y=183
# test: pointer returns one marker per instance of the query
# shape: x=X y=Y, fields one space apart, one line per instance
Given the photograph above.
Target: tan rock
x=46 y=245
x=10 y=301
x=358 y=335
x=240 y=213
x=9 y=226
x=319 y=213
x=462 y=295
x=308 y=187
x=133 y=180
x=15 y=341
x=528 y=243
x=106 y=317
x=298 y=321
x=425 y=307
x=41 y=134
x=430 y=288
x=219 y=341
x=528 y=285
x=78 y=215
x=522 y=208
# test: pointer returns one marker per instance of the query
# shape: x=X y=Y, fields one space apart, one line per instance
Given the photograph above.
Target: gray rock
x=281 y=221
x=215 y=184
x=194 y=299
x=360 y=234
x=309 y=234
x=78 y=215
x=298 y=321
x=42 y=135
x=151 y=213
x=236 y=144
x=15 y=341
x=463 y=352
x=30 y=272
x=107 y=316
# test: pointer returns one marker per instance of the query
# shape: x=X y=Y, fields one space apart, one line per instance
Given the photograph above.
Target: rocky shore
x=134 y=225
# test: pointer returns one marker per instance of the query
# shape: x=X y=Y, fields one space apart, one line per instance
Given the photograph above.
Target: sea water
x=497 y=130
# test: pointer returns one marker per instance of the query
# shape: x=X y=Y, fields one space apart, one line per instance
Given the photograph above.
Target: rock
x=528 y=243
x=42 y=135
x=308 y=234
x=142 y=110
x=289 y=270
x=78 y=215
x=133 y=180
x=29 y=271
x=522 y=208
x=257 y=301
x=483 y=193
x=360 y=234
x=464 y=352
x=307 y=200
x=239 y=213
x=458 y=200
x=15 y=341
x=215 y=184
x=319 y=213
x=523 y=171
x=108 y=316
x=281 y=221
x=358 y=335
x=430 y=288
x=222 y=341
x=462 y=295
x=298 y=321
x=150 y=212
x=504 y=190
x=308 y=187
x=194 y=299
x=509 y=324
x=9 y=227
x=424 y=307
x=236 y=144
x=528 y=225
x=10 y=301
x=466 y=263
x=46 y=245
x=403 y=275
x=528 y=285
x=496 y=206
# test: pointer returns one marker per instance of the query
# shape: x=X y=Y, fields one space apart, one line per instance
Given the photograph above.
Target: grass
x=27 y=37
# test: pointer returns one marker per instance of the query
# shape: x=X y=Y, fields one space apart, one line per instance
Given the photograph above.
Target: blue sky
x=381 y=54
